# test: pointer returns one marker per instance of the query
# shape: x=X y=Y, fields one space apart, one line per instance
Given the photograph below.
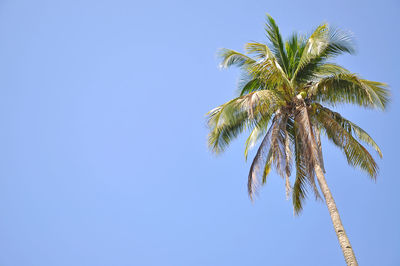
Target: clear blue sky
x=103 y=156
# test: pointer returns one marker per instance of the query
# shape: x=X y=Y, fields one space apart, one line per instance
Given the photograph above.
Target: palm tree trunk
x=305 y=125
x=337 y=223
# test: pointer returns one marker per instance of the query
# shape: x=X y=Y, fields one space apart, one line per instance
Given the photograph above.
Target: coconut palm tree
x=284 y=92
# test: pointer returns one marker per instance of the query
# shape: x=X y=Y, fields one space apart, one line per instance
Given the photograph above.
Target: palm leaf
x=271 y=75
x=232 y=58
x=323 y=44
x=227 y=121
x=262 y=160
x=257 y=132
x=355 y=153
x=349 y=88
x=273 y=149
x=248 y=84
x=275 y=38
x=328 y=69
x=294 y=47
x=352 y=128
x=260 y=50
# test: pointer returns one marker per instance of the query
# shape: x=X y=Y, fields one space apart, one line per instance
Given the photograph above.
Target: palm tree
x=284 y=90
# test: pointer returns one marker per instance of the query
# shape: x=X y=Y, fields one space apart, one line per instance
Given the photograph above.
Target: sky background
x=103 y=155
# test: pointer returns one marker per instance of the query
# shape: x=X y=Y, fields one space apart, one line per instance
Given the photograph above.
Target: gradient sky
x=103 y=155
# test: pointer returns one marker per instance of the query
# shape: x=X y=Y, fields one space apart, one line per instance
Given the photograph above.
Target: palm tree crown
x=284 y=90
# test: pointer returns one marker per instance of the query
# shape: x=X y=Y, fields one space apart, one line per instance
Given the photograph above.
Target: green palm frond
x=356 y=154
x=259 y=50
x=314 y=45
x=328 y=69
x=265 y=73
x=267 y=167
x=271 y=75
x=352 y=128
x=232 y=58
x=248 y=84
x=323 y=44
x=267 y=70
x=257 y=132
x=349 y=88
x=278 y=47
x=294 y=47
x=232 y=118
x=339 y=42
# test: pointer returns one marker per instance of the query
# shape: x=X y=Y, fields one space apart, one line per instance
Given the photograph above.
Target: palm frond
x=265 y=73
x=261 y=161
x=260 y=50
x=270 y=74
x=227 y=121
x=356 y=154
x=275 y=38
x=278 y=144
x=352 y=128
x=232 y=58
x=273 y=149
x=294 y=47
x=248 y=84
x=267 y=167
x=323 y=44
x=267 y=70
x=328 y=69
x=349 y=88
x=257 y=132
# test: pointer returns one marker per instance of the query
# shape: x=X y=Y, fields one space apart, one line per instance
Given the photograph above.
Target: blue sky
x=103 y=139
